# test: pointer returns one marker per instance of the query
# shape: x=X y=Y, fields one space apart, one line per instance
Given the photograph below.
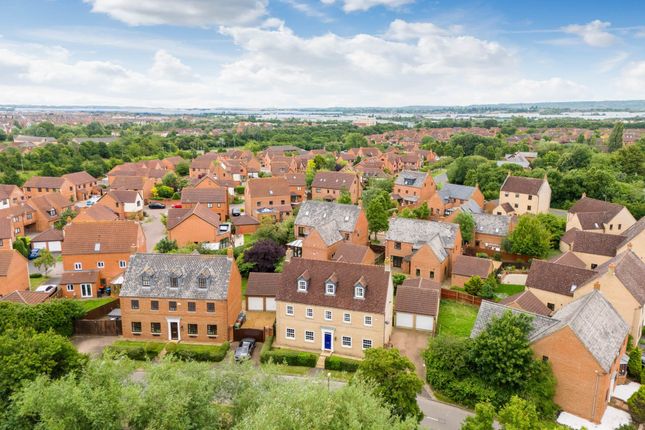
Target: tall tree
x=377 y=214
x=264 y=254
x=529 y=237
x=615 y=141
x=45 y=260
x=519 y=414
x=466 y=225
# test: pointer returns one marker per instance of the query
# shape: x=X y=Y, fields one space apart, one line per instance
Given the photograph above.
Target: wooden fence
x=102 y=327
x=460 y=297
x=102 y=310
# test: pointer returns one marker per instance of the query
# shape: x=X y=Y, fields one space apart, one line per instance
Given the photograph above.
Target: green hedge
x=135 y=350
x=286 y=356
x=35 y=275
x=57 y=315
x=343 y=364
x=188 y=352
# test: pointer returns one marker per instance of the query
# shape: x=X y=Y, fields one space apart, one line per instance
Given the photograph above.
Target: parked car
x=236 y=212
x=35 y=253
x=245 y=350
x=89 y=202
x=156 y=205
x=177 y=206
x=240 y=320
x=49 y=288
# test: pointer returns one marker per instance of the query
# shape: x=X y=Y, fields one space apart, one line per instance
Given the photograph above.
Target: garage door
x=256 y=304
x=425 y=322
x=270 y=303
x=39 y=245
x=55 y=246
x=403 y=320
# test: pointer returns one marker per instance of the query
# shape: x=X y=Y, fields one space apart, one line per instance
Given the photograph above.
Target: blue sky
x=304 y=53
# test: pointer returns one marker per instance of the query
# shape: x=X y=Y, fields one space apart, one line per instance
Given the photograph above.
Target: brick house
x=329 y=185
x=424 y=249
x=14 y=272
x=598 y=216
x=11 y=195
x=234 y=170
x=84 y=184
x=244 y=224
x=490 y=231
x=267 y=197
x=297 y=187
x=81 y=284
x=465 y=267
x=197 y=224
x=48 y=209
x=519 y=195
x=96 y=213
x=141 y=184
x=22 y=217
x=40 y=185
x=102 y=245
x=413 y=188
x=7 y=235
x=349 y=221
x=127 y=204
x=333 y=307
x=352 y=253
x=583 y=342
x=452 y=196
x=214 y=199
x=181 y=297
x=203 y=165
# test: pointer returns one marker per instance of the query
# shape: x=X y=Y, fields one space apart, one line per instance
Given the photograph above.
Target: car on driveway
x=35 y=253
x=236 y=212
x=245 y=350
x=49 y=288
x=156 y=205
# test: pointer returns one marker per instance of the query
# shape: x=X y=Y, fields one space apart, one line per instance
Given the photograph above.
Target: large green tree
x=483 y=418
x=615 y=141
x=529 y=237
x=466 y=225
x=45 y=261
x=377 y=213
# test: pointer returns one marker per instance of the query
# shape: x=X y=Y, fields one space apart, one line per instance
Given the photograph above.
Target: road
x=153 y=228
x=441 y=416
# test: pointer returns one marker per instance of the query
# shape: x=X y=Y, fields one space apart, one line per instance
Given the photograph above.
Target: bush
x=343 y=364
x=239 y=190
x=636 y=405
x=481 y=255
x=635 y=366
x=135 y=350
x=56 y=315
x=186 y=352
x=286 y=356
x=176 y=196
x=35 y=275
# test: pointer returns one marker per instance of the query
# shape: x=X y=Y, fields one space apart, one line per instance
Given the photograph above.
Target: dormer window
x=302 y=285
x=202 y=282
x=174 y=282
x=330 y=288
x=145 y=280
x=359 y=292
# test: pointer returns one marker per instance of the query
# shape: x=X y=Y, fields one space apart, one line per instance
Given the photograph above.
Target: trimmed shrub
x=343 y=364
x=35 y=275
x=239 y=190
x=186 y=352
x=134 y=350
x=634 y=366
x=266 y=348
x=286 y=356
x=57 y=315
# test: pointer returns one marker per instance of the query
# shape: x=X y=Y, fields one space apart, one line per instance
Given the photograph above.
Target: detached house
x=413 y=188
x=329 y=186
x=267 y=197
x=84 y=184
x=181 y=297
x=490 y=231
x=424 y=249
x=215 y=199
x=333 y=307
x=197 y=224
x=127 y=204
x=584 y=342
x=519 y=195
x=40 y=185
x=598 y=216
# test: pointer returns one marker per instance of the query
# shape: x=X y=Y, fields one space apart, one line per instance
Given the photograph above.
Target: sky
x=319 y=53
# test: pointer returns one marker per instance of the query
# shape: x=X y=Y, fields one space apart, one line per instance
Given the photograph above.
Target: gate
x=254 y=333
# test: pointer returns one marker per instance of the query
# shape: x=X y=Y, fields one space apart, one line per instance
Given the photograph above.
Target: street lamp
x=328 y=380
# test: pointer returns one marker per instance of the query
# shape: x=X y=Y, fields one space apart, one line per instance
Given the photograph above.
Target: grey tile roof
x=411 y=178
x=455 y=191
x=496 y=225
x=329 y=232
x=491 y=310
x=440 y=179
x=316 y=213
x=187 y=267
x=471 y=207
x=418 y=232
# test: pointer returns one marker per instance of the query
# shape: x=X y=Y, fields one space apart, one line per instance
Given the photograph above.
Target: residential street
x=441 y=416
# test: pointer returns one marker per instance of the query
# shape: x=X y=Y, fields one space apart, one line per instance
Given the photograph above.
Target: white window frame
x=288 y=310
x=343 y=339
x=123 y=264
x=367 y=340
x=330 y=289
x=302 y=285
x=100 y=264
x=83 y=287
x=347 y=318
x=286 y=333
x=331 y=315
x=358 y=288
x=309 y=313
x=312 y=337
x=78 y=266
x=70 y=288
x=365 y=318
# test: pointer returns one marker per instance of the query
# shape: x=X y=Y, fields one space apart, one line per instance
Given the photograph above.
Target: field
x=456 y=319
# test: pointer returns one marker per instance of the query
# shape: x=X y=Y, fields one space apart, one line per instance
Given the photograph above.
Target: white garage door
x=403 y=320
x=425 y=322
x=39 y=245
x=270 y=303
x=256 y=304
x=55 y=246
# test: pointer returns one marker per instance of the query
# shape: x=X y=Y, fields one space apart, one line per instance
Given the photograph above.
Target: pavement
x=153 y=228
x=625 y=391
x=611 y=419
x=93 y=345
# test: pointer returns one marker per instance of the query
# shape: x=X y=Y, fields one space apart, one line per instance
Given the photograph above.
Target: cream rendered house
x=599 y=216
x=333 y=307
x=519 y=195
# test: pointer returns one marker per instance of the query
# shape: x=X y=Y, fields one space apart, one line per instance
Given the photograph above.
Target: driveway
x=54 y=273
x=93 y=345
x=153 y=228
x=255 y=357
x=411 y=343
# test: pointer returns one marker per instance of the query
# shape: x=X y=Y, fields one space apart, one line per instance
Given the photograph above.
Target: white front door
x=86 y=290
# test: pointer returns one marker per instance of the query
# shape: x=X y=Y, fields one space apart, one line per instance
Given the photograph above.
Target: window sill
x=136 y=334
x=193 y=335
x=156 y=334
x=212 y=336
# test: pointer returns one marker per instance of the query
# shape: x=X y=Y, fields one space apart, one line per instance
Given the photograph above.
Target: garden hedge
x=343 y=364
x=286 y=356
x=186 y=352
x=134 y=350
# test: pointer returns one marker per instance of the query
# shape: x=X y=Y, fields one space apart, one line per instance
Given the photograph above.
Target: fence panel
x=104 y=327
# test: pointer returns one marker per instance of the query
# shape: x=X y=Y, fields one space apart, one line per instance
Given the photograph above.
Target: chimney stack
x=612 y=269
x=596 y=286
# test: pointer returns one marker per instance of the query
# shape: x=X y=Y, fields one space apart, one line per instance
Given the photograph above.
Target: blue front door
x=327 y=340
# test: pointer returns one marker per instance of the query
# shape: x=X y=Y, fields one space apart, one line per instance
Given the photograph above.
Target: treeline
x=530 y=123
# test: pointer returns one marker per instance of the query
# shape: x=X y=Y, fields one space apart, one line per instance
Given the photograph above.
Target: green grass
x=509 y=289
x=456 y=319
x=285 y=370
x=37 y=282
x=245 y=282
x=339 y=375
x=553 y=253
x=91 y=304
x=135 y=349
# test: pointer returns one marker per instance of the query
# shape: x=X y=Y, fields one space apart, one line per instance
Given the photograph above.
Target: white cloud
x=167 y=67
x=363 y=5
x=195 y=13
x=612 y=62
x=632 y=80
x=403 y=30
x=308 y=10
x=593 y=33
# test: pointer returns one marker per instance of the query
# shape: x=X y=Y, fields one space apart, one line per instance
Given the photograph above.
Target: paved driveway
x=153 y=228
x=93 y=345
x=411 y=343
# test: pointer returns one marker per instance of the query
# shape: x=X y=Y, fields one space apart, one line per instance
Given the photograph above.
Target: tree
x=615 y=141
x=636 y=405
x=45 y=260
x=163 y=191
x=635 y=365
x=21 y=244
x=355 y=140
x=11 y=177
x=466 y=225
x=170 y=180
x=519 y=414
x=395 y=380
x=377 y=214
x=65 y=217
x=529 y=237
x=166 y=245
x=345 y=197
x=182 y=168
x=474 y=286
x=629 y=159
x=483 y=418
x=555 y=225
x=264 y=254
x=422 y=212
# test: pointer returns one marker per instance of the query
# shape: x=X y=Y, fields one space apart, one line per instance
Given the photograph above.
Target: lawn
x=245 y=282
x=284 y=369
x=456 y=319
x=509 y=289
x=37 y=282
x=91 y=304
